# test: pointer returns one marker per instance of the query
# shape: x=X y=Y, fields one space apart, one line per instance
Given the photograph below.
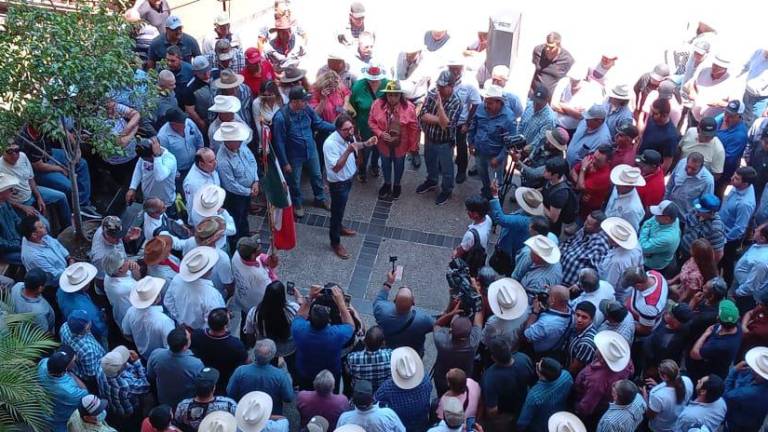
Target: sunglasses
x=12 y=150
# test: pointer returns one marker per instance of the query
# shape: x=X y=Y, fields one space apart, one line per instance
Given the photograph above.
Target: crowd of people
x=628 y=289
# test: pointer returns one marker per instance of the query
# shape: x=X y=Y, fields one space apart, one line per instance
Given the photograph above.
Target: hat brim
x=397 y=91
x=235 y=108
x=551 y=139
x=751 y=358
x=155 y=288
x=558 y=419
x=656 y=210
x=286 y=80
x=65 y=286
x=197 y=204
x=418 y=376
x=263 y=400
x=493 y=294
x=612 y=94
x=223 y=418
x=534 y=211
x=239 y=79
x=187 y=276
x=627 y=244
x=552 y=258
x=616 y=179
x=369 y=77
x=242 y=134
x=603 y=340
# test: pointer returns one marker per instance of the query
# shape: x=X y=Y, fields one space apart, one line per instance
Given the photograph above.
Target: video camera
x=515 y=142
x=460 y=287
x=541 y=295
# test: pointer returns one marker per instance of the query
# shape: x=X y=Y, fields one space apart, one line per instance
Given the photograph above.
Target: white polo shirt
x=333 y=148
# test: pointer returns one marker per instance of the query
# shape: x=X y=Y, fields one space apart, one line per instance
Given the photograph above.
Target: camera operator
x=547 y=325
x=493 y=121
x=402 y=323
x=531 y=167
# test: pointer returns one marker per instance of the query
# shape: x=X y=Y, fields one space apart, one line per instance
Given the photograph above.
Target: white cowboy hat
x=564 y=421
x=620 y=231
x=208 y=200
x=626 y=175
x=407 y=368
x=218 y=421
x=373 y=73
x=545 y=248
x=145 y=292
x=757 y=359
x=227 y=104
x=530 y=200
x=507 y=298
x=8 y=181
x=614 y=349
x=197 y=262
x=76 y=276
x=232 y=131
x=619 y=91
x=349 y=428
x=253 y=411
x=493 y=92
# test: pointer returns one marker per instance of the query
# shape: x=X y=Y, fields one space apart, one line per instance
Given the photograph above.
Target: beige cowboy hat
x=407 y=368
x=227 y=104
x=614 y=349
x=545 y=248
x=8 y=181
x=626 y=175
x=232 y=131
x=349 y=428
x=208 y=200
x=757 y=360
x=507 y=298
x=76 y=276
x=197 y=262
x=558 y=138
x=619 y=91
x=530 y=200
x=564 y=421
x=620 y=231
x=145 y=292
x=253 y=411
x=228 y=79
x=218 y=421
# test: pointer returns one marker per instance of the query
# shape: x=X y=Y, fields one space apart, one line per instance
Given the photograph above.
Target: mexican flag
x=275 y=189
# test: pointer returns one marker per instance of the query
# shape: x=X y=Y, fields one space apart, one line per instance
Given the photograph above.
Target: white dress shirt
x=148 y=328
x=195 y=179
x=333 y=148
x=190 y=302
x=627 y=206
x=250 y=282
x=118 y=289
x=157 y=178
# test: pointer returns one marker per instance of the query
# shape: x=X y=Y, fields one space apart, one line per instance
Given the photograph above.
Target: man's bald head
x=166 y=79
x=404 y=300
x=558 y=295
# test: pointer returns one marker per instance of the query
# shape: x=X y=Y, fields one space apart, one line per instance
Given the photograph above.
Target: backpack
x=475 y=256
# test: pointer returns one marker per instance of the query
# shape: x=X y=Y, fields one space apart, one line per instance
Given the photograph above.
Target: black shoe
x=374 y=171
x=361 y=178
x=426 y=187
x=396 y=191
x=472 y=172
x=416 y=161
x=461 y=178
x=442 y=198
x=385 y=190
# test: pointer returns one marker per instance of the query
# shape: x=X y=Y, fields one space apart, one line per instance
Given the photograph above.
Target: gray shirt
x=43 y=313
x=508 y=329
x=682 y=189
x=397 y=331
x=455 y=354
x=173 y=374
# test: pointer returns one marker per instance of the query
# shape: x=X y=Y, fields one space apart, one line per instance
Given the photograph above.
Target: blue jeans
x=11 y=258
x=316 y=180
x=396 y=164
x=439 y=160
x=339 y=196
x=485 y=172
x=237 y=206
x=58 y=200
x=372 y=154
x=60 y=182
x=754 y=106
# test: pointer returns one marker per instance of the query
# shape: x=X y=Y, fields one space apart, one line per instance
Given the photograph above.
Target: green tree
x=23 y=401
x=56 y=70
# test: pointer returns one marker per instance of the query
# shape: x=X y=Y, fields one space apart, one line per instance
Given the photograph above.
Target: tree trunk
x=77 y=217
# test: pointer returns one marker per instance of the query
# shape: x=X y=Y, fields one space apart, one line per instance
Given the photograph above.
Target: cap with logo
x=649 y=157
x=735 y=107
x=540 y=93
x=708 y=126
x=706 y=203
x=666 y=208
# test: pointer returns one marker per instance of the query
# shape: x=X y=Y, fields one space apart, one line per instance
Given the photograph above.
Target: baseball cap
x=60 y=359
x=540 y=94
x=445 y=79
x=660 y=72
x=706 y=203
x=735 y=107
x=112 y=362
x=667 y=89
x=77 y=321
x=626 y=127
x=221 y=19
x=207 y=378
x=665 y=208
x=728 y=313
x=223 y=50
x=682 y=312
x=453 y=412
x=252 y=55
x=91 y=405
x=649 y=157
x=719 y=286
x=708 y=126
x=298 y=93
x=317 y=424
x=113 y=226
x=613 y=310
x=357 y=10
x=701 y=46
x=596 y=111
x=173 y=22
x=200 y=64
x=362 y=395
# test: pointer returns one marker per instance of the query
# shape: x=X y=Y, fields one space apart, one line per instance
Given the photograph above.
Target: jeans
x=484 y=171
x=339 y=196
x=237 y=206
x=396 y=164
x=372 y=154
x=754 y=106
x=462 y=152
x=439 y=160
x=58 y=200
x=11 y=258
x=60 y=182
x=316 y=180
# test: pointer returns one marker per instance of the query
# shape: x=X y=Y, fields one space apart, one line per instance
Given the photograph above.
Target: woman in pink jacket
x=393 y=122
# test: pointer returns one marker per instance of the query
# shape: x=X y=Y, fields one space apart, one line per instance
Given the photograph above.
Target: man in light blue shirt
x=368 y=414
x=39 y=250
x=403 y=324
x=61 y=385
x=546 y=328
x=182 y=137
x=688 y=181
x=538 y=117
x=591 y=133
x=750 y=269
x=155 y=171
x=237 y=171
x=735 y=214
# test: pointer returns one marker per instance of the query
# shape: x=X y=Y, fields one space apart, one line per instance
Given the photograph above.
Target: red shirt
x=653 y=191
x=267 y=74
x=597 y=186
x=624 y=155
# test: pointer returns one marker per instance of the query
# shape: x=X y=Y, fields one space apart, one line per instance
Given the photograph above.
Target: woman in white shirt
x=266 y=105
x=667 y=399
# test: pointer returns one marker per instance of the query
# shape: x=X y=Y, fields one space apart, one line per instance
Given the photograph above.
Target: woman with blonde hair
x=667 y=399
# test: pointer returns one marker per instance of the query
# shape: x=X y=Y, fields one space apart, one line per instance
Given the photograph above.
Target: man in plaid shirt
x=585 y=249
x=123 y=382
x=76 y=332
x=372 y=364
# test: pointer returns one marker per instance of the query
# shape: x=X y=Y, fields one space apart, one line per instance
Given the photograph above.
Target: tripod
x=506 y=181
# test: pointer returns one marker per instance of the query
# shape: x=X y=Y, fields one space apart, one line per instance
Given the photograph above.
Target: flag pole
x=266 y=142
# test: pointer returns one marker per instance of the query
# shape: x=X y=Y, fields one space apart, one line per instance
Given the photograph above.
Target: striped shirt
x=541 y=277
x=580 y=251
x=433 y=132
x=371 y=366
x=533 y=124
x=711 y=229
x=581 y=346
x=623 y=418
x=625 y=328
x=89 y=352
x=124 y=392
x=544 y=399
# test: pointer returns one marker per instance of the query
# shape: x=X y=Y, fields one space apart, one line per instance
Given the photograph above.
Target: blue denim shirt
x=514 y=228
x=614 y=117
x=293 y=137
x=183 y=147
x=745 y=399
x=736 y=212
x=548 y=330
x=486 y=132
x=734 y=141
x=173 y=374
x=69 y=302
x=237 y=170
x=267 y=378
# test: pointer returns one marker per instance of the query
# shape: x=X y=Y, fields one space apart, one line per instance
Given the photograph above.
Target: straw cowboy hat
x=197 y=262
x=564 y=421
x=227 y=104
x=218 y=421
x=530 y=200
x=209 y=227
x=407 y=368
x=8 y=181
x=626 y=175
x=228 y=79
x=507 y=298
x=558 y=137
x=392 y=87
x=76 y=276
x=620 y=231
x=757 y=359
x=157 y=249
x=614 y=349
x=619 y=91
x=349 y=428
x=545 y=248
x=232 y=131
x=253 y=411
x=145 y=292
x=208 y=200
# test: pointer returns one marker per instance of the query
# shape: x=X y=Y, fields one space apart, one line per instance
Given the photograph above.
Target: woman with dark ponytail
x=667 y=399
